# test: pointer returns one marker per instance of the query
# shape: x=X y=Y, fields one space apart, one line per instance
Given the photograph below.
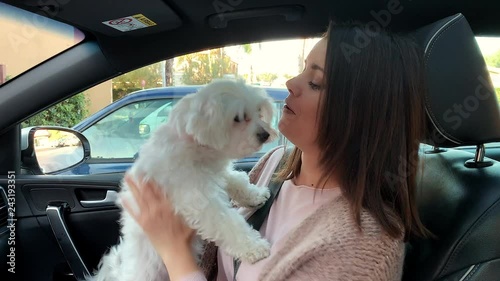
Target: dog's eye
x=237 y=119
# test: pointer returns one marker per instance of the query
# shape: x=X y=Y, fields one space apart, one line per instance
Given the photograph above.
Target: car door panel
x=105 y=166
x=92 y=229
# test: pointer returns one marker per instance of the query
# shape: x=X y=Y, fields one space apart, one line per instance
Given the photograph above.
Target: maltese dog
x=190 y=157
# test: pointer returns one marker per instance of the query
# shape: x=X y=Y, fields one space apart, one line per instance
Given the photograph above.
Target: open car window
x=119 y=115
x=490 y=47
x=118 y=132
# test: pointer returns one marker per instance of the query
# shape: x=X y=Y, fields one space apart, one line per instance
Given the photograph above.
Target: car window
x=121 y=133
x=119 y=115
x=490 y=47
x=27 y=39
x=151 y=122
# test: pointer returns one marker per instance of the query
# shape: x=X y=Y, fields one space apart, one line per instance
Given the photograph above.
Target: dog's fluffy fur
x=190 y=158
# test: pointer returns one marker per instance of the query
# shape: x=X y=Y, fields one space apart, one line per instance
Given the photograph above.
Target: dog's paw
x=261 y=197
x=260 y=250
x=255 y=198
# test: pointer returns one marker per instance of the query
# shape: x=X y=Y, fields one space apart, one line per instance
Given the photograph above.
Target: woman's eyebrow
x=315 y=66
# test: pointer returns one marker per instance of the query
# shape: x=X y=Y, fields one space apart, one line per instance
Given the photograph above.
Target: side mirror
x=144 y=129
x=49 y=149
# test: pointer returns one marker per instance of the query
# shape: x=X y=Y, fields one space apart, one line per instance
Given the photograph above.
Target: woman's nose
x=292 y=87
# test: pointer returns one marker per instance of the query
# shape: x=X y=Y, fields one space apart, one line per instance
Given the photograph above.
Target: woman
x=355 y=115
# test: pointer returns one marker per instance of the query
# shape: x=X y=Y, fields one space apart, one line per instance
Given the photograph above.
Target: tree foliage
x=247 y=48
x=267 y=77
x=200 y=68
x=493 y=60
x=143 y=78
x=66 y=113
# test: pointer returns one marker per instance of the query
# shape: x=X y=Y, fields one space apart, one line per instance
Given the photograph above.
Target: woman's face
x=298 y=121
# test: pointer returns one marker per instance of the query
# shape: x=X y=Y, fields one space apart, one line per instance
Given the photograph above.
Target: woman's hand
x=167 y=231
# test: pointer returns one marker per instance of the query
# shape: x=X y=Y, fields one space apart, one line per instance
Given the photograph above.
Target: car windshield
x=27 y=39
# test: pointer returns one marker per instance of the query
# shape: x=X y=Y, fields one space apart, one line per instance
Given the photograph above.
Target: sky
x=488 y=45
x=282 y=56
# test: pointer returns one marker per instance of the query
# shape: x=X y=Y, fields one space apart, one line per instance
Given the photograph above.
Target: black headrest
x=461 y=103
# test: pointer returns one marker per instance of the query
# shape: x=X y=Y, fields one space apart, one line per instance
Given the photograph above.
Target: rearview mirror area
x=49 y=149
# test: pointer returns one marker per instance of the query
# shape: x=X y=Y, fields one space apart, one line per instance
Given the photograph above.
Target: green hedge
x=66 y=113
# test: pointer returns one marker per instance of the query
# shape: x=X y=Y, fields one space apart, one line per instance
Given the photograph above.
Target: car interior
x=458 y=195
x=64 y=223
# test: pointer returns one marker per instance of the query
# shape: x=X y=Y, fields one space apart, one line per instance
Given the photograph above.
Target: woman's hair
x=371 y=119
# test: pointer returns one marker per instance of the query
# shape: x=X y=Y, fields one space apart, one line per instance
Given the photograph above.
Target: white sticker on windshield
x=130 y=23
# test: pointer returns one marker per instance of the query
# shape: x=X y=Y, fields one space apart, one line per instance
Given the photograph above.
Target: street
x=57 y=158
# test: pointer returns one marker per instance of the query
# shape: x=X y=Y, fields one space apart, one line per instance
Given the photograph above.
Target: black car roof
x=212 y=23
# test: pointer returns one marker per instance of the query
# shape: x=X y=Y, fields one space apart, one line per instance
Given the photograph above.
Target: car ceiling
x=185 y=26
x=190 y=17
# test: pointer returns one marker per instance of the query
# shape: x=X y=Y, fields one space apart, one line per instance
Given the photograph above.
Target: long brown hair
x=371 y=118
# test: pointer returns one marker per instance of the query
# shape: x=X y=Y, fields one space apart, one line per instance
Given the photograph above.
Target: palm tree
x=169 y=72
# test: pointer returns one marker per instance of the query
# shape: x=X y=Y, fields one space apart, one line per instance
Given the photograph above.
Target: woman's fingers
x=148 y=193
x=135 y=191
x=155 y=190
x=149 y=198
x=126 y=205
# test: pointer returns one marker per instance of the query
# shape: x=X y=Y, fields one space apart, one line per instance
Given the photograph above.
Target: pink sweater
x=292 y=206
x=314 y=237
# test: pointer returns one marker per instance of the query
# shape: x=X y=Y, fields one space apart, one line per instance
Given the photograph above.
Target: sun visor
x=112 y=18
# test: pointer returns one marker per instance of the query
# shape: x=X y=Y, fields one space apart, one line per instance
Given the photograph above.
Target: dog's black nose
x=263 y=136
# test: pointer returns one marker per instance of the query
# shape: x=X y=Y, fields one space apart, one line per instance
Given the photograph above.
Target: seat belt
x=257 y=218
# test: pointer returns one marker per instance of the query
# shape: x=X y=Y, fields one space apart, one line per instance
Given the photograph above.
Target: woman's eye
x=314 y=87
x=237 y=119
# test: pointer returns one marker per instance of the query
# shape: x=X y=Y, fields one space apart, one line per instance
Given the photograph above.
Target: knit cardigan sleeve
x=373 y=261
x=340 y=251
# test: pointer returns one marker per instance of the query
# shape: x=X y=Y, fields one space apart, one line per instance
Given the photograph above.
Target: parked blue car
x=116 y=132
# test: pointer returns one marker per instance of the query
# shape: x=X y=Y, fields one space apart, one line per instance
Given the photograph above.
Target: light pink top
x=294 y=204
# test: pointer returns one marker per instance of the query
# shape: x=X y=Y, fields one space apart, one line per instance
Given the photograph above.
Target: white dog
x=190 y=158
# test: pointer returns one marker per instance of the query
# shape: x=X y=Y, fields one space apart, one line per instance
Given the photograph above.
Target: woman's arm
x=167 y=231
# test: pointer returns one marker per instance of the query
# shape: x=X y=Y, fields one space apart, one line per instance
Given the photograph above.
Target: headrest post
x=435 y=149
x=479 y=153
x=478 y=161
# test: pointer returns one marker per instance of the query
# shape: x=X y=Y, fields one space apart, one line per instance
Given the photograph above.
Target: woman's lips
x=287 y=109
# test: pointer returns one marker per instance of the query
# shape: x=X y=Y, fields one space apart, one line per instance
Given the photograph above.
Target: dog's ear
x=266 y=108
x=207 y=121
x=179 y=115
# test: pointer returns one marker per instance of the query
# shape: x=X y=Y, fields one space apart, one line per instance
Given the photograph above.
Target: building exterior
x=17 y=56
